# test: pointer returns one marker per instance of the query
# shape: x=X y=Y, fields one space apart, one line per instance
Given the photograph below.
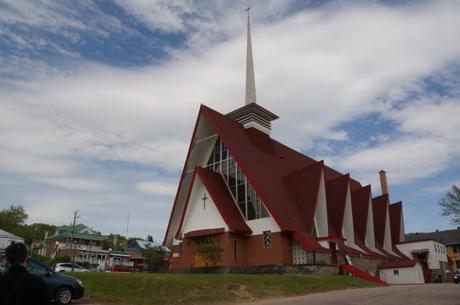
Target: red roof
x=219 y=193
x=395 y=211
x=336 y=194
x=398 y=264
x=204 y=232
x=303 y=185
x=379 y=209
x=360 y=206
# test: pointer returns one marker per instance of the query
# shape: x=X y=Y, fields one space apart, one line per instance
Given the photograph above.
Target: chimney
x=383 y=182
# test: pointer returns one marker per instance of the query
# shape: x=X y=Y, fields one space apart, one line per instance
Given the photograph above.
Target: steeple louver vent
x=255 y=116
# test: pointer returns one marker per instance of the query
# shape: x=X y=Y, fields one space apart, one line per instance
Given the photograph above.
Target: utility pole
x=127 y=227
x=72 y=245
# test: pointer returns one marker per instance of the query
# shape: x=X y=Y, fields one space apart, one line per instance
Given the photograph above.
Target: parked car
x=457 y=277
x=67 y=267
x=61 y=288
x=118 y=268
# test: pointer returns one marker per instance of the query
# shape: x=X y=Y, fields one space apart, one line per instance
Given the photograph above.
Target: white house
x=7 y=238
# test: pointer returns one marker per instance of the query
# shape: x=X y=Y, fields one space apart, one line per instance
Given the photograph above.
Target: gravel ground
x=430 y=294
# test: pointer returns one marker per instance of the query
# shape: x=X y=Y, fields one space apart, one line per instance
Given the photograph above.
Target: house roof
x=379 y=209
x=220 y=194
x=8 y=235
x=336 y=194
x=143 y=244
x=395 y=211
x=398 y=264
x=360 y=207
x=446 y=237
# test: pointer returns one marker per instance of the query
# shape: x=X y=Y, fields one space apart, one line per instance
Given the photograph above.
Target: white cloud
x=316 y=69
x=158 y=188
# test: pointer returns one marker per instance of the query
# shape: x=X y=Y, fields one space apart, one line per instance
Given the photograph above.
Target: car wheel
x=63 y=296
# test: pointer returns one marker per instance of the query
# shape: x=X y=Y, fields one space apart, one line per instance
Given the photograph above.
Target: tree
x=12 y=217
x=154 y=258
x=150 y=238
x=450 y=204
x=116 y=242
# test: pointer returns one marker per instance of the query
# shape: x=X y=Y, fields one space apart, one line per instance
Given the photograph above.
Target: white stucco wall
x=263 y=224
x=387 y=245
x=370 y=235
x=198 y=154
x=347 y=226
x=408 y=275
x=320 y=218
x=433 y=257
x=198 y=218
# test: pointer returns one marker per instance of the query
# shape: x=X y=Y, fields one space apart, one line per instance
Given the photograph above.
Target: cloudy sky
x=98 y=98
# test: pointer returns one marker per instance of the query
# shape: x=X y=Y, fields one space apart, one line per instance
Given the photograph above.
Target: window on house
x=267 y=239
x=396 y=272
x=180 y=249
x=207 y=239
x=246 y=198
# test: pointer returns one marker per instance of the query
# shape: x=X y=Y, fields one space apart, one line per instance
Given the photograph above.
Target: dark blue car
x=61 y=288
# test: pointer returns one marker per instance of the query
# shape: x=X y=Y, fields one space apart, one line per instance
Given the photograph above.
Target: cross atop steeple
x=250 y=79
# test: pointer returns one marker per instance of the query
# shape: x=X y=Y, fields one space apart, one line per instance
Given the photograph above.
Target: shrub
x=154 y=258
x=209 y=254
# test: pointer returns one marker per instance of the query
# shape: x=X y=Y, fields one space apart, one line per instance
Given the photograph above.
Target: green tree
x=12 y=217
x=116 y=242
x=450 y=204
x=154 y=258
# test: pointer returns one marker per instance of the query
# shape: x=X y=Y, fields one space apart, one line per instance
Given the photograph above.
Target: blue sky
x=99 y=98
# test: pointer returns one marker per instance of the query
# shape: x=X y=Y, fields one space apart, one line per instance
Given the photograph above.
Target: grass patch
x=174 y=289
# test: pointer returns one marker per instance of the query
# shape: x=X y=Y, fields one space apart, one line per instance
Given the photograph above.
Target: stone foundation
x=267 y=269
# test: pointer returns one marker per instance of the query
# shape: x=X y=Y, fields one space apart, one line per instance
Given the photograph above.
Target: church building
x=266 y=204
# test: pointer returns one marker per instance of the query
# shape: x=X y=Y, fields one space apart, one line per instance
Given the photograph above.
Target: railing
x=362 y=274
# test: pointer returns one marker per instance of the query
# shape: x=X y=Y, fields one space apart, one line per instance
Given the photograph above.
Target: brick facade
x=238 y=251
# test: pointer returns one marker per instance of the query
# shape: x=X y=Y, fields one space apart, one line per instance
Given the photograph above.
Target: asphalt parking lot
x=429 y=294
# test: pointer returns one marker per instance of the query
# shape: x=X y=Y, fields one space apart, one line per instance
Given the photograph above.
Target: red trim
x=183 y=174
x=199 y=171
x=398 y=264
x=243 y=169
x=179 y=228
x=418 y=240
x=222 y=212
x=204 y=232
x=331 y=238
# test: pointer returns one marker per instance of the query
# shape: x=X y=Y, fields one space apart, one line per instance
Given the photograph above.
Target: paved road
x=430 y=294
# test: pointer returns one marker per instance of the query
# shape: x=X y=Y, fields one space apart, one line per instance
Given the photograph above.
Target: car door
x=46 y=274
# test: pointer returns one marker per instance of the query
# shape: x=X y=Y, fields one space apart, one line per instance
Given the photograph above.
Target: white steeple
x=250 y=80
x=252 y=115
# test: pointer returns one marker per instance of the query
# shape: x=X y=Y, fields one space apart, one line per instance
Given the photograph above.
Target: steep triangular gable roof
x=336 y=195
x=395 y=211
x=360 y=206
x=379 y=209
x=304 y=186
x=215 y=185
